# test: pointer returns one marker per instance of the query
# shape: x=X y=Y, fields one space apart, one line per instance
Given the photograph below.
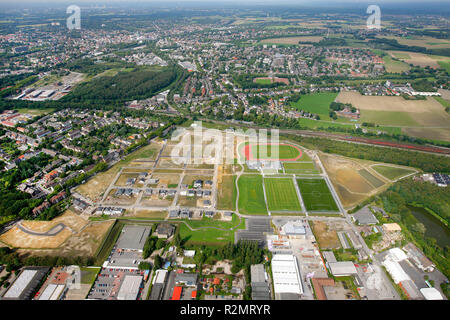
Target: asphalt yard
x=256 y=229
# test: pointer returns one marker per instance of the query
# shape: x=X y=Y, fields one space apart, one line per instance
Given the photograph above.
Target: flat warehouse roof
x=129 y=289
x=286 y=275
x=133 y=237
x=20 y=284
x=342 y=268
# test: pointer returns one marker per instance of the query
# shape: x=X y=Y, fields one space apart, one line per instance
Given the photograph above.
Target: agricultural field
x=394 y=66
x=318 y=103
x=251 y=195
x=392 y=173
x=292 y=40
x=419 y=59
x=316 y=195
x=420 y=118
x=427 y=42
x=281 y=195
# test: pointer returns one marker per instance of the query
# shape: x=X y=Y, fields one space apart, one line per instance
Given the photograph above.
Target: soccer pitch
x=300 y=167
x=316 y=195
x=251 y=195
x=281 y=194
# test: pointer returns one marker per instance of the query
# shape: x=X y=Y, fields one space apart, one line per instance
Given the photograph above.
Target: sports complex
x=283 y=179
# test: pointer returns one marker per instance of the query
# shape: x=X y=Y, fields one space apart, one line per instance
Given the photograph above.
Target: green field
x=445 y=103
x=263 y=81
x=318 y=103
x=300 y=167
x=392 y=173
x=88 y=275
x=210 y=236
x=394 y=66
x=226 y=195
x=251 y=195
x=281 y=194
x=269 y=152
x=371 y=178
x=316 y=195
x=36 y=112
x=445 y=65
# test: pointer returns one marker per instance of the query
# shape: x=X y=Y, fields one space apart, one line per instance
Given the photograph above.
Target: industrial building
x=364 y=217
x=342 y=268
x=133 y=237
x=286 y=276
x=260 y=285
x=26 y=284
x=158 y=284
x=431 y=294
x=130 y=288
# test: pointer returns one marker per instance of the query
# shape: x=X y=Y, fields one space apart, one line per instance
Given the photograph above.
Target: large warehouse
x=133 y=237
x=286 y=275
x=129 y=290
x=26 y=284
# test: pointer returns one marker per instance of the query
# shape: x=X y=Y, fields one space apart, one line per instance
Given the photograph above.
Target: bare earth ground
x=445 y=94
x=326 y=236
x=350 y=186
x=20 y=239
x=84 y=243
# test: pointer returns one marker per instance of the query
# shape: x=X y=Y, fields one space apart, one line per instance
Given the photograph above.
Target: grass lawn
x=270 y=152
x=316 y=195
x=318 y=103
x=392 y=173
x=445 y=65
x=394 y=66
x=263 y=81
x=210 y=236
x=251 y=195
x=226 y=196
x=36 y=112
x=88 y=275
x=300 y=167
x=281 y=194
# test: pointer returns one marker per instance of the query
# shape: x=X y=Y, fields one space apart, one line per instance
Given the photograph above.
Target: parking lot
x=256 y=229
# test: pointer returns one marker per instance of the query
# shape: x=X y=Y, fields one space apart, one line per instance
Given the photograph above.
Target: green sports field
x=300 y=167
x=251 y=195
x=270 y=152
x=316 y=195
x=281 y=194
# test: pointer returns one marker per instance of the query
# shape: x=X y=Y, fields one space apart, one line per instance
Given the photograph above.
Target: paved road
x=52 y=232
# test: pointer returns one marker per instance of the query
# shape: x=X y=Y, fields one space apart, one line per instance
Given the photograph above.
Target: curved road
x=52 y=232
